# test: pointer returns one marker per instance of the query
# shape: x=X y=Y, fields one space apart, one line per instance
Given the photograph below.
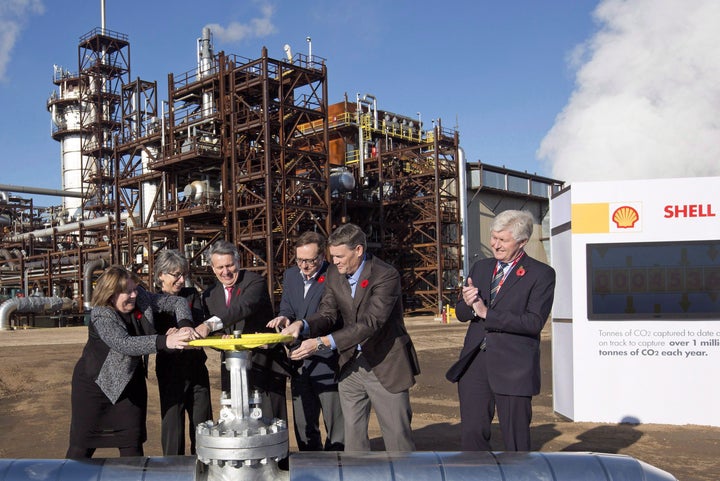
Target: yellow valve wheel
x=246 y=341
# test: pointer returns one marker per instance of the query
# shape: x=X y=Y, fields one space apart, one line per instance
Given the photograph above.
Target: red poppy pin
x=138 y=314
x=321 y=279
x=364 y=283
x=520 y=271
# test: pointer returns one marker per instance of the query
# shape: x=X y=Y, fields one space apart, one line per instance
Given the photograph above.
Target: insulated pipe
x=67 y=228
x=31 y=304
x=88 y=270
x=62 y=261
x=171 y=468
x=9 y=257
x=334 y=466
x=361 y=140
x=40 y=191
x=466 y=466
x=462 y=194
x=102 y=16
x=374 y=108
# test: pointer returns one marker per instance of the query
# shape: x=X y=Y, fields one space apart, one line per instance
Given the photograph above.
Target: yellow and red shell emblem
x=625 y=217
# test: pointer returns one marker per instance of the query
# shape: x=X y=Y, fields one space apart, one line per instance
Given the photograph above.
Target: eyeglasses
x=310 y=262
x=177 y=275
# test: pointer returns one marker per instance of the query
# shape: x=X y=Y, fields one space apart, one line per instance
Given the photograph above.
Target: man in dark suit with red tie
x=241 y=300
x=314 y=385
x=507 y=301
x=377 y=361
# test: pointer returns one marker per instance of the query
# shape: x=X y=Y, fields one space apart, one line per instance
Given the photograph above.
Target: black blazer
x=250 y=307
x=512 y=327
x=249 y=311
x=294 y=305
x=373 y=319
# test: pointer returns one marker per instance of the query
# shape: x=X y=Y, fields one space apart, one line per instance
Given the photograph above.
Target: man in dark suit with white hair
x=507 y=301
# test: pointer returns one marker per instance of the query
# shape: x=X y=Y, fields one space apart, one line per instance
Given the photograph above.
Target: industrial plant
x=252 y=151
x=248 y=150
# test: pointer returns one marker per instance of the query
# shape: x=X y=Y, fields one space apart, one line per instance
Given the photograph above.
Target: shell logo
x=625 y=217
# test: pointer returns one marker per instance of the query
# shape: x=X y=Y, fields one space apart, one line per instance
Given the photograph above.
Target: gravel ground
x=36 y=368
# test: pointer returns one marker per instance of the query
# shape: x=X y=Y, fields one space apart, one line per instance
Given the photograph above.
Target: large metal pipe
x=31 y=304
x=88 y=270
x=54 y=262
x=171 y=468
x=41 y=191
x=462 y=197
x=102 y=16
x=12 y=261
x=60 y=229
x=205 y=69
x=334 y=466
x=466 y=466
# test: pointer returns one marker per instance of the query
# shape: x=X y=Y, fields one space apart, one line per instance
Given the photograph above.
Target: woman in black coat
x=183 y=379
x=109 y=394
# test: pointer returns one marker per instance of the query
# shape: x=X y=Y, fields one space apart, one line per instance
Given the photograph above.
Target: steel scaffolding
x=244 y=149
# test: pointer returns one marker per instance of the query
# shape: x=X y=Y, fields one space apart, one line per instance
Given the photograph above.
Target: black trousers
x=478 y=403
x=184 y=386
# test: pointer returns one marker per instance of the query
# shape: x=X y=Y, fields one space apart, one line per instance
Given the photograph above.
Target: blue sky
x=496 y=70
x=519 y=79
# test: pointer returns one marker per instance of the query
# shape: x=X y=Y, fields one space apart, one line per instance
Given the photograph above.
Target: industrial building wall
x=483 y=208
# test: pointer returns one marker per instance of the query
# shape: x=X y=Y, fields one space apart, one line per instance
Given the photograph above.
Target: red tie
x=229 y=295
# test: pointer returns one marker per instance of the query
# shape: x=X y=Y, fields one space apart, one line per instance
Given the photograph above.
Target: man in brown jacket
x=377 y=361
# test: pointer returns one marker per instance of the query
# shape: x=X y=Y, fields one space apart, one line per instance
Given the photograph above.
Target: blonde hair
x=112 y=282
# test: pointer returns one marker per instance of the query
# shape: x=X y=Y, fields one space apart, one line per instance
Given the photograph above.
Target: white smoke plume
x=13 y=15
x=256 y=27
x=647 y=97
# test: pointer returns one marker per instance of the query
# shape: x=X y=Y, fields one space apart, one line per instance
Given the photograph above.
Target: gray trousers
x=359 y=391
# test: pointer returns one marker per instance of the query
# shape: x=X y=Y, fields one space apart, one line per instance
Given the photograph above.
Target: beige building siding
x=485 y=202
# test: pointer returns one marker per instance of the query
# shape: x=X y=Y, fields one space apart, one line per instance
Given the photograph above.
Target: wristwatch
x=321 y=345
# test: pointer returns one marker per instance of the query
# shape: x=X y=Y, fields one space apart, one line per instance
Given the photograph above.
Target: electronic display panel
x=654 y=280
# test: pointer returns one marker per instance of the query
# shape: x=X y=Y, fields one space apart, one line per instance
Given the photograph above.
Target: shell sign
x=625 y=217
x=603 y=218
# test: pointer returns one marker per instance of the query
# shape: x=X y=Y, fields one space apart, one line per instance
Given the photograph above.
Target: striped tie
x=496 y=281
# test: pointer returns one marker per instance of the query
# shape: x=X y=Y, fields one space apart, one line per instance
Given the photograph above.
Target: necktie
x=229 y=295
x=497 y=280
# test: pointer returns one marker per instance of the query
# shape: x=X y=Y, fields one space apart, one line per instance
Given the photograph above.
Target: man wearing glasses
x=314 y=386
x=361 y=317
x=183 y=380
